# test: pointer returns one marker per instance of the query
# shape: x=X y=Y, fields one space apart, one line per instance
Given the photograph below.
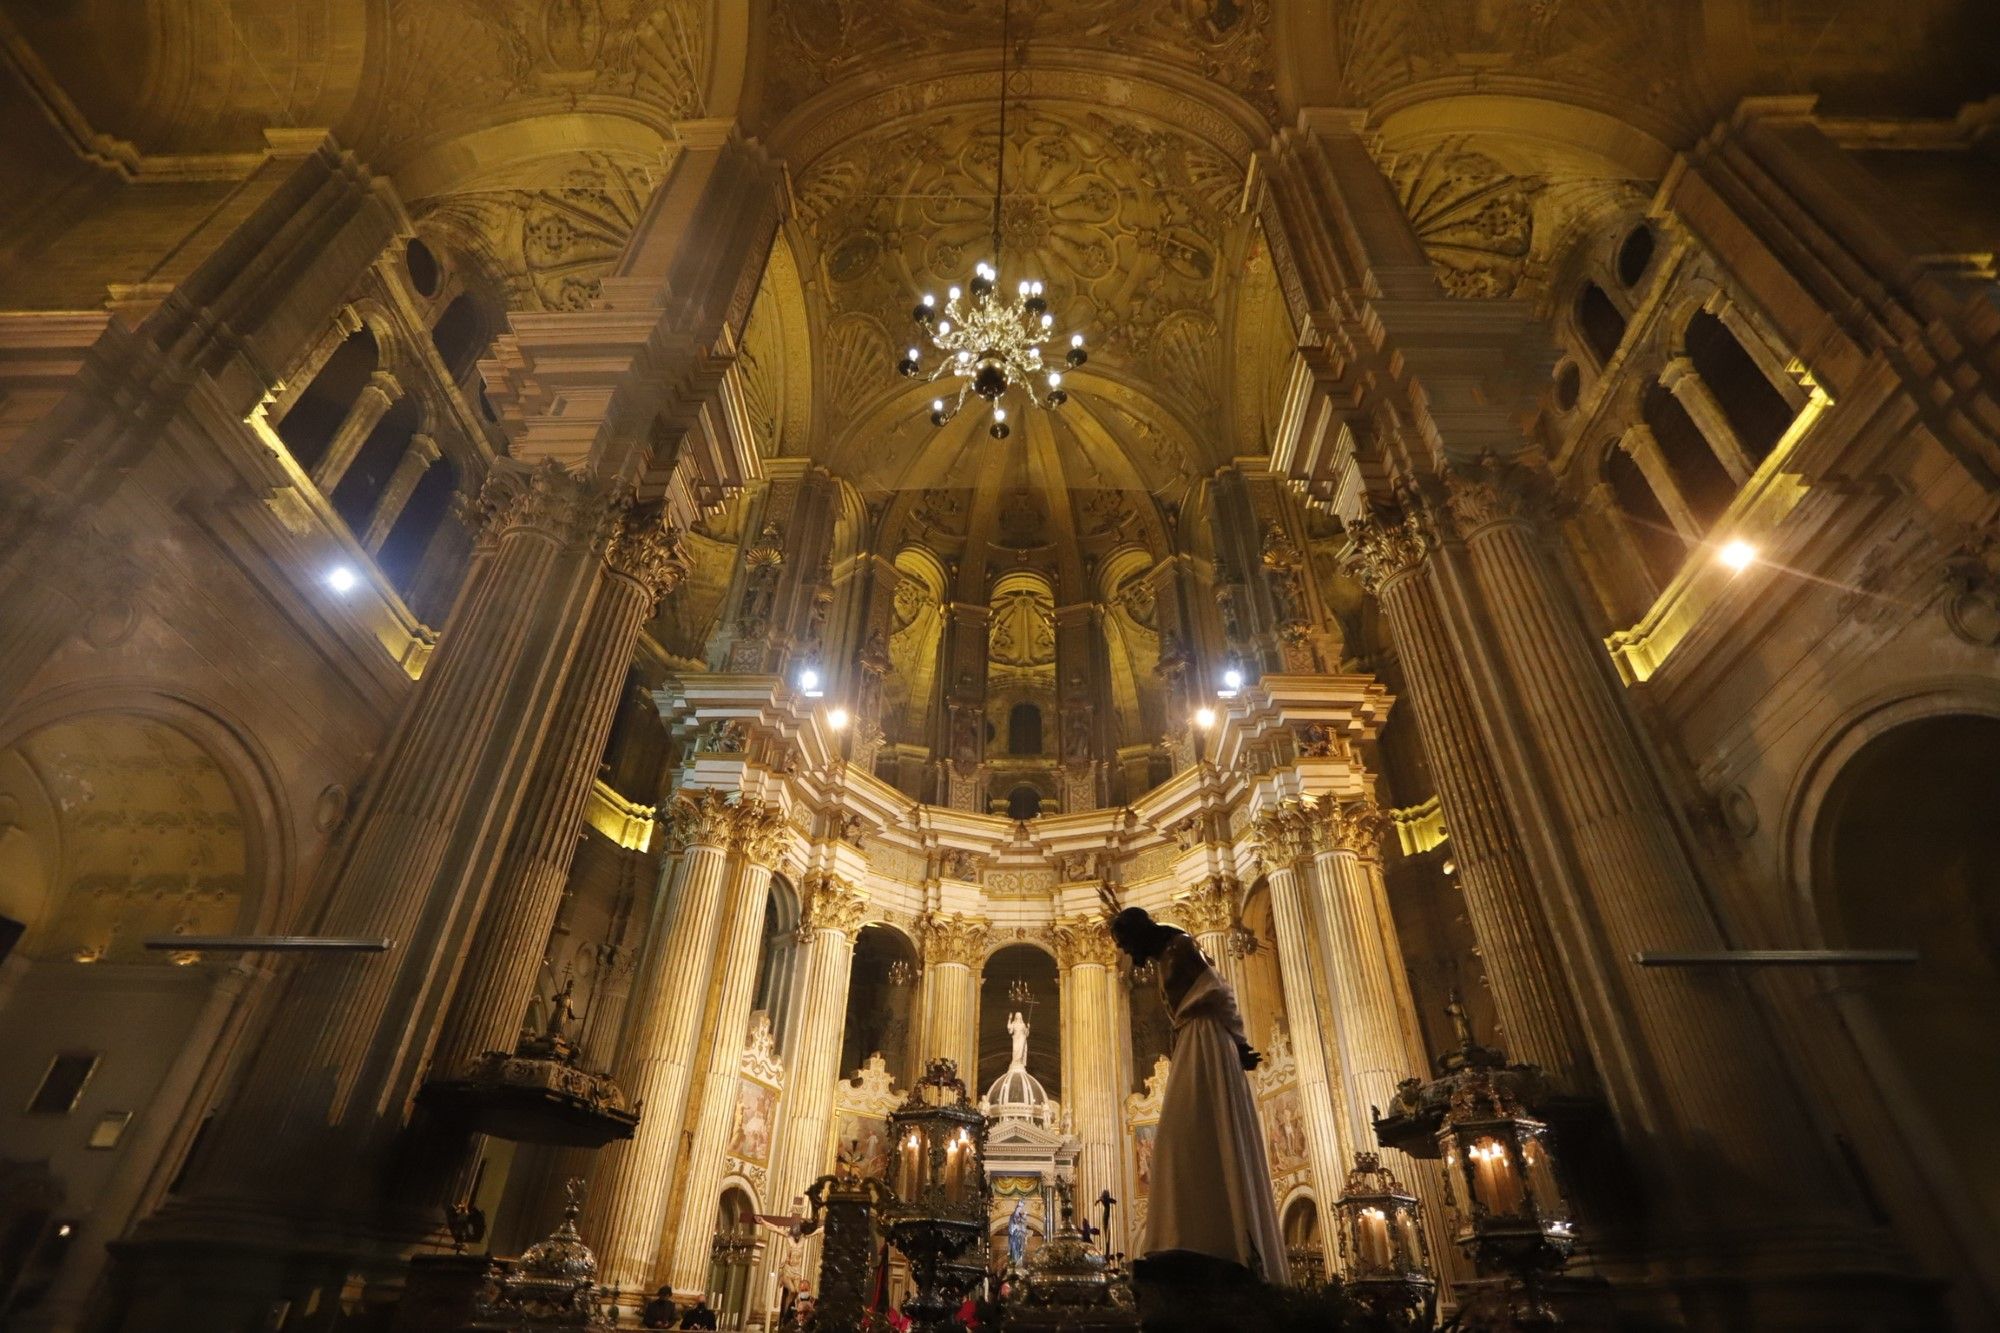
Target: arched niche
x=1262 y=998
x=733 y=1254
x=1305 y=1253
x=1907 y=855
x=1034 y=968
x=881 y=1003
x=917 y=628
x=777 y=960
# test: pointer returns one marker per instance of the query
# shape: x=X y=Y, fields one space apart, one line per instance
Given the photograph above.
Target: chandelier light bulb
x=1055 y=379
x=944 y=326
x=1027 y=288
x=914 y=354
x=1038 y=288
x=964 y=355
x=1076 y=340
x=953 y=294
x=999 y=414
x=929 y=300
x=1048 y=321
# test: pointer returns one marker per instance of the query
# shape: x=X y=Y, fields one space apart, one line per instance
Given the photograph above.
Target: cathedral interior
x=511 y=674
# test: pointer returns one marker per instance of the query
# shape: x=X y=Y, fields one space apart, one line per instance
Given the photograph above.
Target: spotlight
x=809 y=682
x=837 y=719
x=1204 y=718
x=1737 y=555
x=342 y=579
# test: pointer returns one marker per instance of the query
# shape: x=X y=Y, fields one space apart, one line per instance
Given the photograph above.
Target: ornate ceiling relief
x=1126 y=220
x=1475 y=219
x=551 y=245
x=457 y=65
x=1623 y=55
x=818 y=42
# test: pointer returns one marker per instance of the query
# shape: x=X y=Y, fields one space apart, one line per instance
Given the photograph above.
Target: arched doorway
x=1907 y=854
x=1017 y=971
x=732 y=1258
x=114 y=828
x=881 y=1002
x=1303 y=1251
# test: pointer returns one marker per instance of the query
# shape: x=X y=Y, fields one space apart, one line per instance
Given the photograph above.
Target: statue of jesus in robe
x=1211 y=1180
x=1017 y=1028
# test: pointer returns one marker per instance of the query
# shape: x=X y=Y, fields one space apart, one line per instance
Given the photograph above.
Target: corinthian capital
x=1500 y=490
x=704 y=818
x=1209 y=908
x=1361 y=827
x=955 y=939
x=761 y=832
x=570 y=508
x=1283 y=834
x=1083 y=941
x=1384 y=546
x=833 y=904
x=648 y=552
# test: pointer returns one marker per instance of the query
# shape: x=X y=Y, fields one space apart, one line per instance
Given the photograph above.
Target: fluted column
x=1208 y=910
x=1374 y=1017
x=760 y=843
x=954 y=947
x=1685 y=1055
x=410 y=468
x=834 y=909
x=1282 y=834
x=626 y=1210
x=322 y=1096
x=1091 y=1036
x=1686 y=384
x=370 y=406
x=1538 y=1015
x=1644 y=447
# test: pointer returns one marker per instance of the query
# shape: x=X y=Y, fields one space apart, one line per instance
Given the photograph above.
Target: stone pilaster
x=1094 y=1033
x=626 y=1210
x=1284 y=839
x=954 y=948
x=1682 y=1056
x=642 y=564
x=321 y=1099
x=1644 y=447
x=1538 y=1014
x=760 y=837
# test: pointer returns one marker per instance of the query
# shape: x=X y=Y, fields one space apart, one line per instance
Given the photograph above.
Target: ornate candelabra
x=1382 y=1244
x=940 y=1209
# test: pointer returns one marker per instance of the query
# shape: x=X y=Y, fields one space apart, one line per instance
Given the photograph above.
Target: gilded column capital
x=571 y=508
x=832 y=904
x=955 y=939
x=760 y=832
x=1386 y=545
x=1209 y=908
x=1359 y=827
x=1283 y=834
x=1083 y=941
x=700 y=818
x=648 y=552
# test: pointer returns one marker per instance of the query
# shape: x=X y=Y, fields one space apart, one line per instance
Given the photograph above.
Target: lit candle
x=1494 y=1182
x=1371 y=1238
x=912 y=1165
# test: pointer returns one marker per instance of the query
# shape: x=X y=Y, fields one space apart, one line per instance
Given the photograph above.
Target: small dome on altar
x=1017 y=1092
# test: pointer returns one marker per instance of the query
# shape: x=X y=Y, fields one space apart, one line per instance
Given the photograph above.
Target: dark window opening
x=312 y=421
x=1757 y=412
x=1660 y=546
x=1598 y=320
x=402 y=553
x=1704 y=483
x=1024 y=729
x=1635 y=255
x=63 y=1082
x=461 y=335
x=1569 y=386
x=422 y=266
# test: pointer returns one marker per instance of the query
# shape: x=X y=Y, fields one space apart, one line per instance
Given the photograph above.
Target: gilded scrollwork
x=954 y=938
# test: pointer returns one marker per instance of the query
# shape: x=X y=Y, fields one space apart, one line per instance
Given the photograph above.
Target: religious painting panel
x=756 y=1113
x=862 y=1143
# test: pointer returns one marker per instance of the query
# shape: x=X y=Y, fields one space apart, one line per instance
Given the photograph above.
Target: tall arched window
x=775 y=958
x=1652 y=531
x=1704 y=483
x=402 y=553
x=1757 y=412
x=1024 y=729
x=312 y=422
x=1600 y=323
x=881 y=1002
x=1635 y=255
x=360 y=487
x=461 y=335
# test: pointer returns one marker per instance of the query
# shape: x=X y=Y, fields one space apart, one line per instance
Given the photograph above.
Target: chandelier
x=991 y=343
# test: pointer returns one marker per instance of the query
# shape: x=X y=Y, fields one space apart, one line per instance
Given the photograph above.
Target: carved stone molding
x=955 y=939
x=1355 y=827
x=1083 y=941
x=1494 y=490
x=832 y=904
